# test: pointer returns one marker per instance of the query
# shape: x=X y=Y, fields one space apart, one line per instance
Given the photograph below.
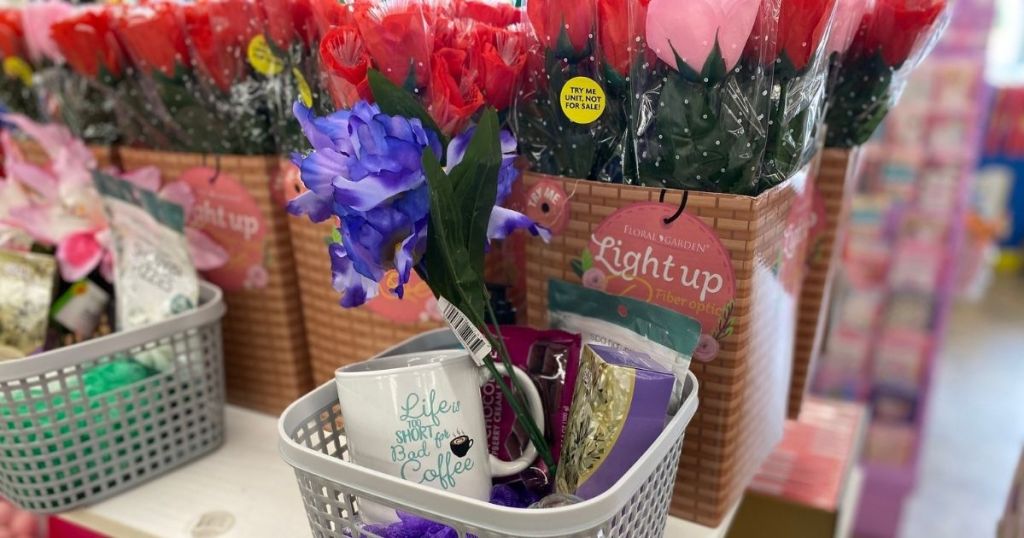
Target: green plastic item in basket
x=106 y=385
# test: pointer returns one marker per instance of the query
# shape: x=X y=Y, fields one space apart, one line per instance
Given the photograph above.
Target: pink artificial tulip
x=688 y=28
x=847 y=19
x=36 y=18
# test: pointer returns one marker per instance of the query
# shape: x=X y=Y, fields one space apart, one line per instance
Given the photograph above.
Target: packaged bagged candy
x=153 y=271
x=27 y=281
x=624 y=323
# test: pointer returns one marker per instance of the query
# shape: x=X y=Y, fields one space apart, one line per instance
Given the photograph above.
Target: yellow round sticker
x=305 y=92
x=262 y=58
x=15 y=67
x=582 y=100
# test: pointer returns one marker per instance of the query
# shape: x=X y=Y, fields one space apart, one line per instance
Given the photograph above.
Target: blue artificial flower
x=366 y=170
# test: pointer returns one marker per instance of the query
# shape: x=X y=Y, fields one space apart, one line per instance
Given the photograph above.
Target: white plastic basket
x=312 y=441
x=63 y=444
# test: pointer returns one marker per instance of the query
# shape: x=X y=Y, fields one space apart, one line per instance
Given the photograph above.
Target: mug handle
x=501 y=468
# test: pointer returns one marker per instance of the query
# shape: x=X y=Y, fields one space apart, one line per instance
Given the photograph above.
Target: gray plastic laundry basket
x=67 y=441
x=312 y=441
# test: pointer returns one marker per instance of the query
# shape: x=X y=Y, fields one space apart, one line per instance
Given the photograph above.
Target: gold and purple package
x=619 y=409
x=26 y=288
x=153 y=271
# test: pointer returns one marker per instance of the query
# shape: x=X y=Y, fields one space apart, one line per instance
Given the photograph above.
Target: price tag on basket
x=470 y=337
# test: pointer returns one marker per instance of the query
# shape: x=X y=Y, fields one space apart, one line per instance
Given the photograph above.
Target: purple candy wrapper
x=619 y=410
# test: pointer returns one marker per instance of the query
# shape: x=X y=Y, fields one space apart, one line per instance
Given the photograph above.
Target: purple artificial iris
x=503 y=221
x=366 y=170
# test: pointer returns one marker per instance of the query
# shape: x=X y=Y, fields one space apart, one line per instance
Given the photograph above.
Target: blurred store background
x=925 y=346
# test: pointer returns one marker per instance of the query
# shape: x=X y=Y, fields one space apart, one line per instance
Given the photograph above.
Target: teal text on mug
x=419 y=417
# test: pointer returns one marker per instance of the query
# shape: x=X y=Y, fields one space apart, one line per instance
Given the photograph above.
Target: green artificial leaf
x=684 y=69
x=475 y=185
x=785 y=69
x=588 y=259
x=577 y=268
x=395 y=101
x=714 y=67
x=446 y=255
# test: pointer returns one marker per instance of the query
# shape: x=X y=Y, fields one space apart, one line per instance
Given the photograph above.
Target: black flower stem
x=536 y=436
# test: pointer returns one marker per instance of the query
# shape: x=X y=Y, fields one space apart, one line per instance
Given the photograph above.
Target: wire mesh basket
x=85 y=422
x=312 y=441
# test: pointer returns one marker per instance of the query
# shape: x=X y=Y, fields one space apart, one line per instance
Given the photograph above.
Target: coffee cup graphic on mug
x=460 y=445
x=417 y=417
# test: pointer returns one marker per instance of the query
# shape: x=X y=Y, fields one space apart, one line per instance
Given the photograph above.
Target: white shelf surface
x=244 y=481
x=243 y=487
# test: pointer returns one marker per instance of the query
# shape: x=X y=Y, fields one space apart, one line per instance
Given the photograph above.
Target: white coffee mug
x=420 y=417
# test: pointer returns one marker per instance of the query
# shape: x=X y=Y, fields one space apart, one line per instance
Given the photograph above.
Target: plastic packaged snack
x=624 y=323
x=27 y=282
x=154 y=275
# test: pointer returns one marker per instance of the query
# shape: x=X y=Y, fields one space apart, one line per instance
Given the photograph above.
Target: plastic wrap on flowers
x=571 y=116
x=88 y=69
x=797 y=56
x=891 y=40
x=288 y=56
x=16 y=79
x=702 y=87
x=455 y=57
x=198 y=88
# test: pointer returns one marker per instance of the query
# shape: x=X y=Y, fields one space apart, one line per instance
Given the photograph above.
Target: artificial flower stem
x=539 y=442
x=513 y=399
x=522 y=413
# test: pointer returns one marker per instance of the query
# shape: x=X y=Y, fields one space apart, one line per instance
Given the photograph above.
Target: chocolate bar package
x=619 y=409
x=551 y=359
x=27 y=282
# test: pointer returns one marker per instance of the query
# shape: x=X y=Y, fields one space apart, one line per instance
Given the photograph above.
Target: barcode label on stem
x=471 y=337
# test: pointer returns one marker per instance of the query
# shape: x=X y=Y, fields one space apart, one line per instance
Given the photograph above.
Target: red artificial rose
x=396 y=36
x=88 y=42
x=12 y=36
x=152 y=35
x=499 y=15
x=617 y=39
x=330 y=13
x=896 y=28
x=552 y=17
x=501 y=62
x=344 y=56
x=288 y=21
x=219 y=32
x=802 y=24
x=453 y=98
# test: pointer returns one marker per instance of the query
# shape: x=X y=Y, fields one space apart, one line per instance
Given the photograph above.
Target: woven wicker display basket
x=337 y=336
x=35 y=154
x=834 y=182
x=744 y=389
x=265 y=354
